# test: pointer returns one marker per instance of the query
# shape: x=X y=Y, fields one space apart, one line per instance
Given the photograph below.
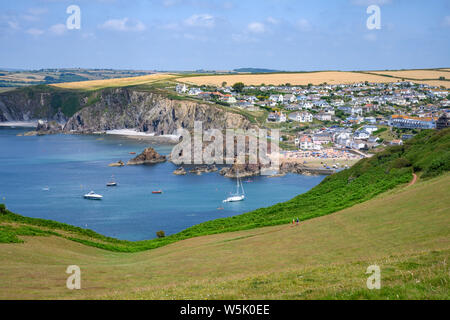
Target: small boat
x=157 y=192
x=112 y=183
x=132 y=152
x=93 y=196
x=240 y=194
x=46 y=189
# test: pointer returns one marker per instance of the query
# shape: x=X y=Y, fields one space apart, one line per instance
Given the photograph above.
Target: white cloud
x=35 y=32
x=200 y=20
x=272 y=20
x=33 y=14
x=446 y=22
x=256 y=27
x=303 y=25
x=58 y=29
x=13 y=25
x=124 y=24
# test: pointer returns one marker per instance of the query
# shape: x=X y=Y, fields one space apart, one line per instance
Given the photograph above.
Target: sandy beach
x=134 y=134
x=323 y=158
x=25 y=124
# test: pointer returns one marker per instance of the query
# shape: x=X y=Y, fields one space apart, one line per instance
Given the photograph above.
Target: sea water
x=47 y=176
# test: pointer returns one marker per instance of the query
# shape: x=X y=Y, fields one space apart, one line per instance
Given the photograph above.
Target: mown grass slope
x=404 y=231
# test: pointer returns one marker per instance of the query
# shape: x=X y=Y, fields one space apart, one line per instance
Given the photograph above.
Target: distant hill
x=255 y=70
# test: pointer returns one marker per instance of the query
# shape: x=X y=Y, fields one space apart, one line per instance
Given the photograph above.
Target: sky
x=289 y=35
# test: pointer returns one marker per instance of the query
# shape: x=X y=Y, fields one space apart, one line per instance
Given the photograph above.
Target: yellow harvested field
x=415 y=74
x=315 y=78
x=437 y=83
x=118 y=82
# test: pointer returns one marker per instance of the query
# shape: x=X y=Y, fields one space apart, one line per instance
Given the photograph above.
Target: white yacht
x=93 y=196
x=240 y=193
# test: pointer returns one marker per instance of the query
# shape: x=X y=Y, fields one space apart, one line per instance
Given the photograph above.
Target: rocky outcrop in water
x=117 y=164
x=49 y=127
x=180 y=172
x=242 y=170
x=149 y=156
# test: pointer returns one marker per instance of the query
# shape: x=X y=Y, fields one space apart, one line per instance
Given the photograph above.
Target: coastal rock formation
x=204 y=169
x=298 y=168
x=180 y=172
x=38 y=102
x=117 y=164
x=242 y=170
x=150 y=113
x=149 y=156
x=45 y=128
x=49 y=127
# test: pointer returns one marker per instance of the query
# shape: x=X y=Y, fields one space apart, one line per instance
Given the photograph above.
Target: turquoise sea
x=72 y=165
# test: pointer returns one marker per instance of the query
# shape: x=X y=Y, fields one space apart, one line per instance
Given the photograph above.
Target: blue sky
x=227 y=34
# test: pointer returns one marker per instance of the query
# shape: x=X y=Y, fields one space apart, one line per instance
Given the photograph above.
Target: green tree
x=238 y=87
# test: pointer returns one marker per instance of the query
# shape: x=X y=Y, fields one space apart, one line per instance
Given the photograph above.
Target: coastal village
x=335 y=125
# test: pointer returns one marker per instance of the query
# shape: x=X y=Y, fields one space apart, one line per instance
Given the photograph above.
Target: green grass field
x=404 y=231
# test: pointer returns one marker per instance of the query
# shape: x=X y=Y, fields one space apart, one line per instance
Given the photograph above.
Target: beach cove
x=47 y=176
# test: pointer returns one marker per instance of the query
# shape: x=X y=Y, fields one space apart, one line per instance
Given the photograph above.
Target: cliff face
x=33 y=103
x=110 y=109
x=151 y=113
x=149 y=156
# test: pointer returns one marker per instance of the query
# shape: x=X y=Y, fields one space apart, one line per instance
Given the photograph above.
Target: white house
x=323 y=116
x=302 y=117
x=277 y=98
x=306 y=143
x=289 y=98
x=181 y=88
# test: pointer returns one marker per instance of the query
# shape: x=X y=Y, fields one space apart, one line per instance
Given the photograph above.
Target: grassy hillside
x=404 y=231
x=428 y=154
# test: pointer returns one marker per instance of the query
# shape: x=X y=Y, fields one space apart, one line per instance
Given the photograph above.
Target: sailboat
x=240 y=193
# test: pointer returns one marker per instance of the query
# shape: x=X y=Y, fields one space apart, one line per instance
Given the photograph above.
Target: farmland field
x=119 y=82
x=415 y=74
x=315 y=78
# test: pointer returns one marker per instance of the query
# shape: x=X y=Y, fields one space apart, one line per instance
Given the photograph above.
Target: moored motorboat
x=112 y=183
x=93 y=196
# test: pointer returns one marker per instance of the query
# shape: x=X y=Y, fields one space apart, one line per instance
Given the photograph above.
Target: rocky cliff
x=151 y=113
x=149 y=156
x=41 y=102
